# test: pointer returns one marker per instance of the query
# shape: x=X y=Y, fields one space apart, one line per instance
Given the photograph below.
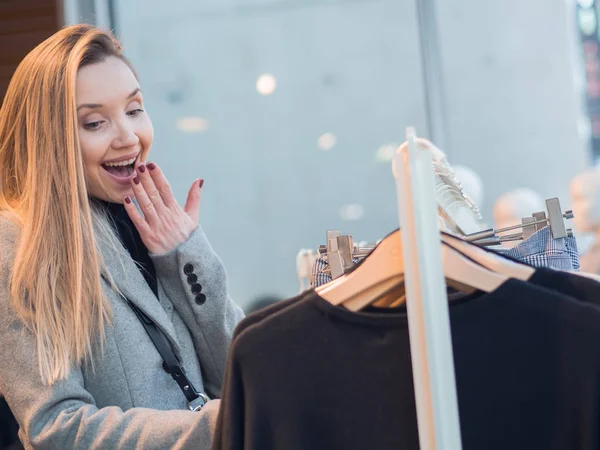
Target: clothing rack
x=425 y=287
x=428 y=315
x=341 y=251
x=427 y=305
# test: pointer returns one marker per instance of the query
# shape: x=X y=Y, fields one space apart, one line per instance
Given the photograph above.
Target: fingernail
x=201 y=183
x=136 y=180
x=128 y=199
x=151 y=166
x=142 y=168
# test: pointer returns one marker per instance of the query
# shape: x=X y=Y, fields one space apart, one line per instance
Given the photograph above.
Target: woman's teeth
x=121 y=163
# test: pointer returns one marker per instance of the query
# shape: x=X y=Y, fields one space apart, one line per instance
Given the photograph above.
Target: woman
x=81 y=267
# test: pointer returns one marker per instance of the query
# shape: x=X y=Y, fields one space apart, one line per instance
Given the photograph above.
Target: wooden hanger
x=488 y=259
x=384 y=268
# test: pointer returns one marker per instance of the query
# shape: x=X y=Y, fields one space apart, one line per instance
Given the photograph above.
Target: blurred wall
x=514 y=97
x=352 y=69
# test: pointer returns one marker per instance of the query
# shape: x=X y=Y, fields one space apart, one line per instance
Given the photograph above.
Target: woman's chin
x=112 y=195
x=119 y=197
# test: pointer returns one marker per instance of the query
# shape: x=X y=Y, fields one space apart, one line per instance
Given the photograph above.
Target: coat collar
x=134 y=287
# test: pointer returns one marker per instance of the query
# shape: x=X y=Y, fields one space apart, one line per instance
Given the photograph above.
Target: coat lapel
x=133 y=285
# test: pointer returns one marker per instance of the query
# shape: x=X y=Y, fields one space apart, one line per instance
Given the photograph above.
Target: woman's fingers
x=162 y=223
x=136 y=217
x=192 y=205
x=145 y=202
x=162 y=185
x=151 y=188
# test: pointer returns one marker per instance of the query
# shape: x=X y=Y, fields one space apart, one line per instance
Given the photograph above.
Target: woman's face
x=115 y=133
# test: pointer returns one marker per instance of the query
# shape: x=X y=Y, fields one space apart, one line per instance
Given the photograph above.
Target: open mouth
x=122 y=169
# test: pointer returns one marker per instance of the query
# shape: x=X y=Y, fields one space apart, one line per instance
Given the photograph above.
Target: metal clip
x=336 y=264
x=528 y=227
x=345 y=246
x=198 y=404
x=541 y=219
x=334 y=258
x=331 y=235
x=555 y=218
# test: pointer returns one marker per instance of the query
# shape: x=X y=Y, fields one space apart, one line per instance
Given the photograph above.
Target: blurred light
x=326 y=141
x=586 y=3
x=192 y=124
x=386 y=152
x=588 y=22
x=353 y=211
x=266 y=84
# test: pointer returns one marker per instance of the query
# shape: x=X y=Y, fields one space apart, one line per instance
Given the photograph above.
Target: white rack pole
x=427 y=304
x=433 y=76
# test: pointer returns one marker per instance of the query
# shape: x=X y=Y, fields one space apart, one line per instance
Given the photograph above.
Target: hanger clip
x=556 y=218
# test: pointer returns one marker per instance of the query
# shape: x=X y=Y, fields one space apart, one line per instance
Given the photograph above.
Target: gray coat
x=126 y=400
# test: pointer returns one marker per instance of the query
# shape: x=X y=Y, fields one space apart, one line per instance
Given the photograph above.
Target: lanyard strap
x=196 y=400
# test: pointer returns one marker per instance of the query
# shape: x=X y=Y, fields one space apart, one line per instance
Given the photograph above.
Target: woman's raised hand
x=162 y=223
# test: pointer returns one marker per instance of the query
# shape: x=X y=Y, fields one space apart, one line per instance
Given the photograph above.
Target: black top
x=576 y=286
x=130 y=237
x=316 y=376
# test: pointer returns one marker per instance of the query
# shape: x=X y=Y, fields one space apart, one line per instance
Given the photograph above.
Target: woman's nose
x=125 y=138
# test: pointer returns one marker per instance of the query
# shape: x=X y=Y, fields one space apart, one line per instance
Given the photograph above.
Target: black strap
x=171 y=362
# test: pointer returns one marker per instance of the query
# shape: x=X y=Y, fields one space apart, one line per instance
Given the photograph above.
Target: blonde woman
x=94 y=291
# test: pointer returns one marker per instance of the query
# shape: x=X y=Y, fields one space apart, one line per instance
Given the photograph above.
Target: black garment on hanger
x=315 y=376
x=570 y=284
x=130 y=237
x=577 y=286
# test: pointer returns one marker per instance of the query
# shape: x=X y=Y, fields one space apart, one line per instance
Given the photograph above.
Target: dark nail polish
x=201 y=183
x=151 y=166
x=142 y=168
x=128 y=199
x=136 y=180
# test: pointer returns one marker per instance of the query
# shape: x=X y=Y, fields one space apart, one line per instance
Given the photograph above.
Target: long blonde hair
x=56 y=278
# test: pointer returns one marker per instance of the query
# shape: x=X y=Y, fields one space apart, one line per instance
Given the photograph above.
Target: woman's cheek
x=92 y=152
x=146 y=137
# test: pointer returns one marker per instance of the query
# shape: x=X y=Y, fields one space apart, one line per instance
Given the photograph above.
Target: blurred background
x=291 y=109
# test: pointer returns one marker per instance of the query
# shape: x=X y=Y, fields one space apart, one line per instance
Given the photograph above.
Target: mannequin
x=585 y=198
x=512 y=206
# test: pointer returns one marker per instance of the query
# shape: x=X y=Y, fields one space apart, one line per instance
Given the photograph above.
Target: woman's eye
x=135 y=112
x=92 y=125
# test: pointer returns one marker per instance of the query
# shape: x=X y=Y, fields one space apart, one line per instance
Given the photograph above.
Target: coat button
x=200 y=299
x=188 y=269
x=192 y=278
x=196 y=288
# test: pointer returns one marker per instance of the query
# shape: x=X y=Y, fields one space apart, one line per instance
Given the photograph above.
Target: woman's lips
x=118 y=179
x=124 y=180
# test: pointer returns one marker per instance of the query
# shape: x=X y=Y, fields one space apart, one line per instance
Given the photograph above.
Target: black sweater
x=129 y=236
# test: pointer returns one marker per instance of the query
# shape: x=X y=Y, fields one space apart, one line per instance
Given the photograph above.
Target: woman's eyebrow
x=98 y=105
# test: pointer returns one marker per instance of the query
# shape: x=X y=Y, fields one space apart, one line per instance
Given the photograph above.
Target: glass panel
x=290 y=111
